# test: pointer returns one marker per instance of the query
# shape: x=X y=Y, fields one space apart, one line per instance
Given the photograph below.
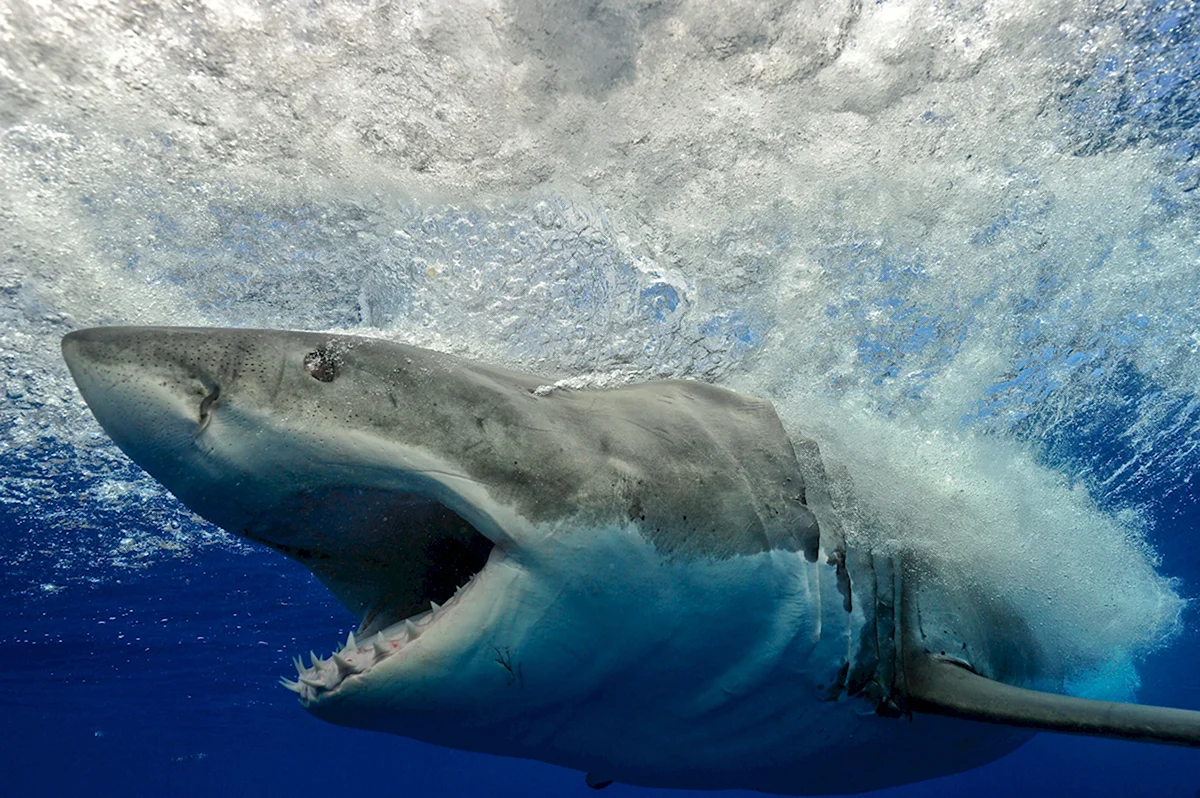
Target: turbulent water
x=957 y=242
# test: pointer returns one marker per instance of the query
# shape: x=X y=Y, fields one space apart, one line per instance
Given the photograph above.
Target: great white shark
x=648 y=583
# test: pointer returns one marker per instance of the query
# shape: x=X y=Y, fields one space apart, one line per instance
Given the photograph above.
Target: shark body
x=647 y=583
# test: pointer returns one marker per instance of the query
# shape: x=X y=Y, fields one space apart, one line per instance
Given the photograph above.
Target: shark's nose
x=94 y=344
x=85 y=351
x=101 y=335
x=75 y=345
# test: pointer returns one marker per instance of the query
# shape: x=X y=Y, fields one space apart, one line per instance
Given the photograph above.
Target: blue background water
x=129 y=672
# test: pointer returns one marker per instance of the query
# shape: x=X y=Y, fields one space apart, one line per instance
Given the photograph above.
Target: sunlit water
x=956 y=242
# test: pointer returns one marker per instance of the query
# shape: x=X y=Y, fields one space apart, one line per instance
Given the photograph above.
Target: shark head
x=631 y=582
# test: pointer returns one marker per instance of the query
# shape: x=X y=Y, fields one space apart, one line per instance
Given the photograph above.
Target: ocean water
x=957 y=242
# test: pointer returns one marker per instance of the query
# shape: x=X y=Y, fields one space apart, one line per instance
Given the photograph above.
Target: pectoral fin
x=942 y=687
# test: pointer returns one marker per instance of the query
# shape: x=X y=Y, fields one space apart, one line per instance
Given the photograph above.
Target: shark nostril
x=206 y=405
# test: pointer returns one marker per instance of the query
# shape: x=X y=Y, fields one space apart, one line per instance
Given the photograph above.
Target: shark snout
x=86 y=350
x=146 y=393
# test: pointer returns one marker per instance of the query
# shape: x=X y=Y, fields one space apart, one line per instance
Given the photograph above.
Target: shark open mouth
x=397 y=584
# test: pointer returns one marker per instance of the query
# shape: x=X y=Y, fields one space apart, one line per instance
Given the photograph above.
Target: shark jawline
x=404 y=588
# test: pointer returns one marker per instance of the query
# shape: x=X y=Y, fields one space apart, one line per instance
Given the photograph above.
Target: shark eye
x=321 y=364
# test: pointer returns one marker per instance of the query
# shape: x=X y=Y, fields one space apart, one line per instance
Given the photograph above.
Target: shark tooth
x=434 y=606
x=312 y=681
x=351 y=643
x=380 y=649
x=345 y=666
x=299 y=663
x=293 y=686
x=413 y=631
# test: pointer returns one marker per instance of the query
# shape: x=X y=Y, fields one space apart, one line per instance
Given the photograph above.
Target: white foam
x=984 y=513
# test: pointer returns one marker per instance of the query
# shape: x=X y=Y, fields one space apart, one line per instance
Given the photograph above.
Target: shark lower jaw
x=406 y=565
x=363 y=654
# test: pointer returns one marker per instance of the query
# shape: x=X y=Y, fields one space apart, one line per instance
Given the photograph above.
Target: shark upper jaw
x=393 y=544
x=421 y=566
x=387 y=544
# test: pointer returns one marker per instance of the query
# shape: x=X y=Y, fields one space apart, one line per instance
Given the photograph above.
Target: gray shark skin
x=644 y=583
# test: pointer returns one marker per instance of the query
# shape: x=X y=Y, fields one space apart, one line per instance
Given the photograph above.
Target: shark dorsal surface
x=647 y=583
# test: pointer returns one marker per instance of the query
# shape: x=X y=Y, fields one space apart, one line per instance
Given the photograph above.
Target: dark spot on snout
x=321 y=364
